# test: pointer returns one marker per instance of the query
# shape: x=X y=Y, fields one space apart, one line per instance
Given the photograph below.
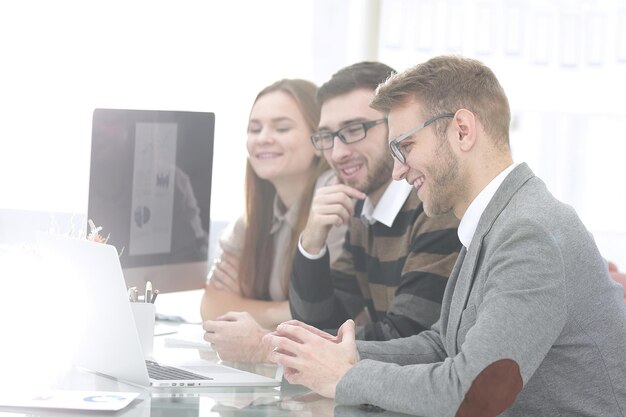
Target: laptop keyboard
x=161 y=372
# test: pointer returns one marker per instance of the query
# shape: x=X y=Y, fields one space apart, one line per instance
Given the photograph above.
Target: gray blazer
x=532 y=287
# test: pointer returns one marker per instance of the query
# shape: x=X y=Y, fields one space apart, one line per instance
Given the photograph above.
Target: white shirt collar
x=389 y=205
x=469 y=222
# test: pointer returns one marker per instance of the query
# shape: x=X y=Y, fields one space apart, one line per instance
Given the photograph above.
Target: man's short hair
x=446 y=84
x=366 y=74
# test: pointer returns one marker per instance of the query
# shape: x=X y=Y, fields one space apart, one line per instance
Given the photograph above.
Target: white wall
x=562 y=64
x=61 y=59
x=560 y=61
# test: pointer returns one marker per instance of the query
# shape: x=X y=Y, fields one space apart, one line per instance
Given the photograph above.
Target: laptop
x=89 y=276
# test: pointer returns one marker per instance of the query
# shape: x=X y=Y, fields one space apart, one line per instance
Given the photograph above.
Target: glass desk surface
x=286 y=400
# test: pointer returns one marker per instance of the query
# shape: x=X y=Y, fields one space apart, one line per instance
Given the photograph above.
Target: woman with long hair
x=246 y=293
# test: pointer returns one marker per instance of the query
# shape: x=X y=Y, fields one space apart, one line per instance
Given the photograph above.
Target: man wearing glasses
x=531 y=325
x=393 y=269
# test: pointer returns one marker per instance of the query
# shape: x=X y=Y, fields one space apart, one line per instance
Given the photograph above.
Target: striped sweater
x=389 y=279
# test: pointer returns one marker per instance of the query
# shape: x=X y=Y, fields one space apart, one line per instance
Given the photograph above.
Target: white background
x=561 y=62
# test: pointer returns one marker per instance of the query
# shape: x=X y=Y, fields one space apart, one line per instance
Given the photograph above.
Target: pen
x=148 y=296
x=154 y=296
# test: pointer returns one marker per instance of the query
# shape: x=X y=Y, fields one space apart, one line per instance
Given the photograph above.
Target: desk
x=286 y=400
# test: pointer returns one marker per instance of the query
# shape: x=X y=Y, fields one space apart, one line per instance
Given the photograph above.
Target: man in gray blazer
x=531 y=323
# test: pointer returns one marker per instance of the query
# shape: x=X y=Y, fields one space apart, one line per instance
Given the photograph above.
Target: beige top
x=283 y=225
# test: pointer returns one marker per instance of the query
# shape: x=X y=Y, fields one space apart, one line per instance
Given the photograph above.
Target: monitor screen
x=150 y=191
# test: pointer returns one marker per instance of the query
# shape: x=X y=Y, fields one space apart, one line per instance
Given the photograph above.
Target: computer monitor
x=150 y=191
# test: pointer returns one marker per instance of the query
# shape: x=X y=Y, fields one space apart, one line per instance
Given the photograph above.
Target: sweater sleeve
x=319 y=298
x=423 y=274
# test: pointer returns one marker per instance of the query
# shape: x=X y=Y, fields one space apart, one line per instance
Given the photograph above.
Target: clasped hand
x=312 y=357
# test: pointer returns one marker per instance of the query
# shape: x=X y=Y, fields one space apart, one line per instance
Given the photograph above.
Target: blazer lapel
x=467 y=271
x=450 y=314
x=461 y=294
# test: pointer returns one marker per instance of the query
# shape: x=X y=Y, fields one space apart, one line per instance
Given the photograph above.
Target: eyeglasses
x=351 y=133
x=394 y=146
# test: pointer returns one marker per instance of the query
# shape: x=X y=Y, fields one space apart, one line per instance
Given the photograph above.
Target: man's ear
x=465 y=125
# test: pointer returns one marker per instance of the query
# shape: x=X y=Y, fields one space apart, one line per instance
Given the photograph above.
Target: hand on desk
x=236 y=337
x=311 y=357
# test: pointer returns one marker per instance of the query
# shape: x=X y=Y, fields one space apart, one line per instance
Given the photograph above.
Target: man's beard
x=378 y=176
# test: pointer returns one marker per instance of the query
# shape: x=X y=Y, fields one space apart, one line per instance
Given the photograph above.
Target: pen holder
x=144 y=314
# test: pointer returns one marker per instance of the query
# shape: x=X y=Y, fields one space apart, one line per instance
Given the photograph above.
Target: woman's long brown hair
x=255 y=264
